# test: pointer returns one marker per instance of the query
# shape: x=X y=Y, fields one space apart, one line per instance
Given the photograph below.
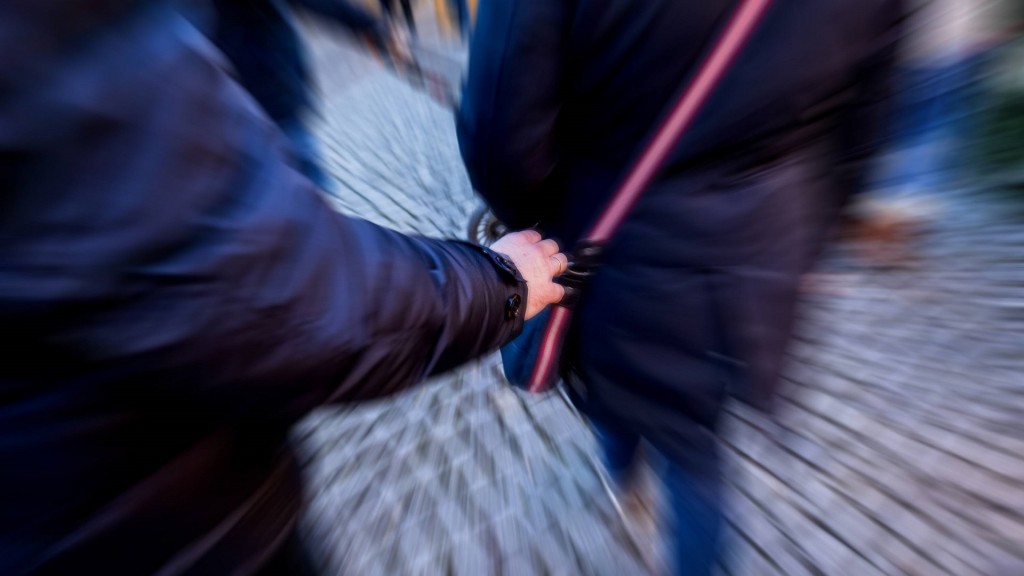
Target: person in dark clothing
x=261 y=41
x=388 y=6
x=174 y=294
x=696 y=292
x=462 y=18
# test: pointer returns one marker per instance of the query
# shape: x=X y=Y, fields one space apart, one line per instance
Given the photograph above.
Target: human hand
x=538 y=261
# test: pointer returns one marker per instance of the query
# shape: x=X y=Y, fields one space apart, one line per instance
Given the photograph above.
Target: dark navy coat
x=698 y=287
x=173 y=294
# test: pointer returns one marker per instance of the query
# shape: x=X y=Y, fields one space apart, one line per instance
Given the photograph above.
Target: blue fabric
x=307 y=153
x=619 y=448
x=261 y=41
x=695 y=523
x=694 y=514
x=931 y=126
x=519 y=356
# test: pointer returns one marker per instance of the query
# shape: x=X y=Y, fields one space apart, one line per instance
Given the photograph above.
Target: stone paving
x=897 y=446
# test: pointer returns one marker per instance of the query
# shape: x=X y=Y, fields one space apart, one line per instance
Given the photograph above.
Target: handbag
x=531 y=361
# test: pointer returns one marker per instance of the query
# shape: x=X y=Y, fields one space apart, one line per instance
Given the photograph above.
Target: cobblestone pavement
x=897 y=447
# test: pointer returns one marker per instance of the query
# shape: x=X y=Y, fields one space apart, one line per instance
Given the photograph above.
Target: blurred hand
x=539 y=261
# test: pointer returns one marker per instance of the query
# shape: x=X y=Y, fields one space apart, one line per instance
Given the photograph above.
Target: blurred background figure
x=264 y=47
x=388 y=8
x=1001 y=122
x=951 y=46
x=696 y=293
x=940 y=68
x=462 y=17
x=455 y=16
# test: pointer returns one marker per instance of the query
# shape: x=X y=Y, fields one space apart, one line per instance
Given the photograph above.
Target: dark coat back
x=699 y=285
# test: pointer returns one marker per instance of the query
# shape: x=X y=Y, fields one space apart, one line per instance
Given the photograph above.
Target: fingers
x=558 y=292
x=543 y=295
x=549 y=247
x=531 y=235
x=559 y=263
x=539 y=261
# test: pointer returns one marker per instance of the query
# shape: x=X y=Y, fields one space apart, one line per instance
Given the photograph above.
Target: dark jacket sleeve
x=510 y=106
x=155 y=233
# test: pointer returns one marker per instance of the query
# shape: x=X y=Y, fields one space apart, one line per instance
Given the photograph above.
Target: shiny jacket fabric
x=173 y=294
x=698 y=287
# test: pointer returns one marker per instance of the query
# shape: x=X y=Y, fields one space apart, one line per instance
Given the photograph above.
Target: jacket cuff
x=516 y=294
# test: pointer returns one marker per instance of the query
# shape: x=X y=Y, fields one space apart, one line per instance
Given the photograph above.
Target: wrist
x=517 y=293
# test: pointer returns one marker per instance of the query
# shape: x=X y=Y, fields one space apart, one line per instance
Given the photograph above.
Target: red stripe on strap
x=721 y=56
x=549 y=349
x=739 y=28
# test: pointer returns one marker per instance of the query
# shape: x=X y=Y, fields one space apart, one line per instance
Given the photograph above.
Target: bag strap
x=588 y=250
x=734 y=36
